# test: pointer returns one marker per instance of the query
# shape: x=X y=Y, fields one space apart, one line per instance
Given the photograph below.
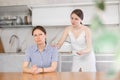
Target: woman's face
x=39 y=36
x=75 y=20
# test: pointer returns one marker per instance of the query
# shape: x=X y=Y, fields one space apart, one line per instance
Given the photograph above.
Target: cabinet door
x=51 y=16
x=104 y=66
x=66 y=63
x=66 y=67
x=11 y=62
x=105 y=62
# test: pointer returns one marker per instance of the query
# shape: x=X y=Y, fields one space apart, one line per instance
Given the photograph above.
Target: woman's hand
x=55 y=45
x=80 y=52
x=85 y=51
x=34 y=69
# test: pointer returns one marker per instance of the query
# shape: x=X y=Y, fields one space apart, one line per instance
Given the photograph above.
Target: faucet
x=11 y=41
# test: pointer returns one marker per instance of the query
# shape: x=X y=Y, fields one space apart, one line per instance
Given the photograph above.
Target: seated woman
x=41 y=56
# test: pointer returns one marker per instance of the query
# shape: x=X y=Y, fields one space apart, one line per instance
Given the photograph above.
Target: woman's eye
x=72 y=18
x=40 y=34
x=76 y=19
x=35 y=35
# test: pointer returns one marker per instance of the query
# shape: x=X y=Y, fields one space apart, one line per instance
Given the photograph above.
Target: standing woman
x=80 y=36
x=41 y=56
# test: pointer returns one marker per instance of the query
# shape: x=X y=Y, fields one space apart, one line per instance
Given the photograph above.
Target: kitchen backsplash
x=18 y=39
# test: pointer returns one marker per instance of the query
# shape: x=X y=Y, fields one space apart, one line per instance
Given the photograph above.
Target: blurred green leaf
x=100 y=4
x=105 y=42
x=111 y=73
x=117 y=55
x=96 y=23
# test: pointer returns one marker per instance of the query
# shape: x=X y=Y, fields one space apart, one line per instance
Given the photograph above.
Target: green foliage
x=100 y=4
x=96 y=23
x=117 y=55
x=106 y=41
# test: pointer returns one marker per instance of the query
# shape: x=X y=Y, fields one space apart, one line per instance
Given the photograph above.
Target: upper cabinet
x=15 y=16
x=59 y=14
x=56 y=13
x=51 y=15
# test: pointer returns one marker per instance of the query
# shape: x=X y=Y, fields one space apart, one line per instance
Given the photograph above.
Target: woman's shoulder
x=68 y=28
x=51 y=47
x=86 y=28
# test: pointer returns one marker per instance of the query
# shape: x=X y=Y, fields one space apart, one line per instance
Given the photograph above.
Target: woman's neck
x=41 y=47
x=77 y=27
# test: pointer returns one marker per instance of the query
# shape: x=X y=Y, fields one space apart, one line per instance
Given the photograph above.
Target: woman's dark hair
x=79 y=13
x=40 y=28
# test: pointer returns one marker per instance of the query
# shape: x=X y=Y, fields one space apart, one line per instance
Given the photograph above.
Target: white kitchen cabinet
x=59 y=14
x=15 y=16
x=65 y=62
x=104 y=62
x=51 y=16
x=12 y=62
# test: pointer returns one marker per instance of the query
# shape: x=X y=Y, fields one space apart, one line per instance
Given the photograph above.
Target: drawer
x=66 y=66
x=66 y=58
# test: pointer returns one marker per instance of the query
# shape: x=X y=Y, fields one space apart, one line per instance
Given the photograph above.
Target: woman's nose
x=39 y=37
x=73 y=20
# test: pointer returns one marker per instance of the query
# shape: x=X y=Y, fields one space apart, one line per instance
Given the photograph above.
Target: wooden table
x=59 y=76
